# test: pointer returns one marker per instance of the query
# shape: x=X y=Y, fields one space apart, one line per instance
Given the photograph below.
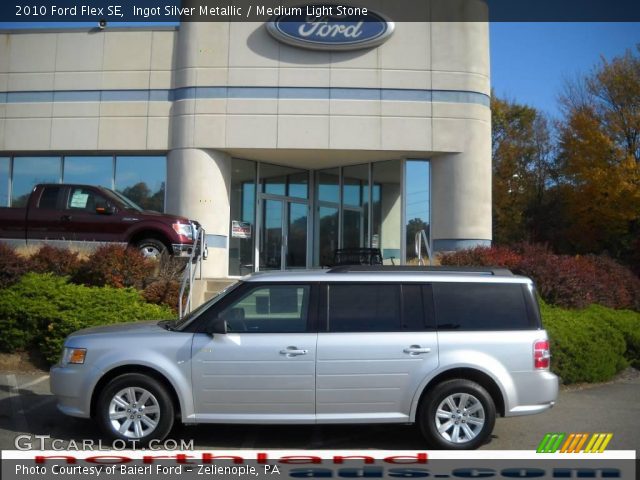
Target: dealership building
x=285 y=141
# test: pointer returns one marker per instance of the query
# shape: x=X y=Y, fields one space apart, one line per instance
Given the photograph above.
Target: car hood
x=121 y=328
x=152 y=214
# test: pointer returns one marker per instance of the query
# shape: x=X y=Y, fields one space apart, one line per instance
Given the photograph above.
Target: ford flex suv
x=446 y=349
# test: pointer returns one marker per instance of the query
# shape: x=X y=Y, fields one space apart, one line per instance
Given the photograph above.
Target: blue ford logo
x=330 y=27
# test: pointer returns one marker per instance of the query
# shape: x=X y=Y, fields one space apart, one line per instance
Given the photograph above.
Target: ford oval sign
x=330 y=27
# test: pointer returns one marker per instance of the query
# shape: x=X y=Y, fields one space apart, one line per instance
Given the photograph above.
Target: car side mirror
x=217 y=326
x=105 y=209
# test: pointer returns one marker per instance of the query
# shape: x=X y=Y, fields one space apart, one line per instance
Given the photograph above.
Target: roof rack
x=416 y=269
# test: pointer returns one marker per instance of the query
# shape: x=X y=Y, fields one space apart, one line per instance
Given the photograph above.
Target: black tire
x=152 y=248
x=475 y=422
x=139 y=425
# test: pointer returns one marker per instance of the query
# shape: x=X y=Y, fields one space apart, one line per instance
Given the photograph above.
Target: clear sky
x=530 y=61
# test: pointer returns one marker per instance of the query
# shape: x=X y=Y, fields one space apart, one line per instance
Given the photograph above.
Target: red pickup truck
x=85 y=216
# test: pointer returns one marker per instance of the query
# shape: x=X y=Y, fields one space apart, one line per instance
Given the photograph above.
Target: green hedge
x=42 y=309
x=592 y=344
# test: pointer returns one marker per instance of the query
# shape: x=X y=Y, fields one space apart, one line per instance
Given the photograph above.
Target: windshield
x=187 y=319
x=128 y=202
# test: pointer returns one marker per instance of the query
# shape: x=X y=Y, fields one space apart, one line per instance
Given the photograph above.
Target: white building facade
x=283 y=153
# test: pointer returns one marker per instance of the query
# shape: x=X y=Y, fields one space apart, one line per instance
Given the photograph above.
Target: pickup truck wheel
x=151 y=248
x=457 y=414
x=135 y=408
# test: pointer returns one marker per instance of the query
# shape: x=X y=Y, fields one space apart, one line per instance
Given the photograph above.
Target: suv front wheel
x=135 y=408
x=457 y=414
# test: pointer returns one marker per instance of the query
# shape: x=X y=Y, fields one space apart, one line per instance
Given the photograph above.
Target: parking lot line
x=19 y=419
x=34 y=382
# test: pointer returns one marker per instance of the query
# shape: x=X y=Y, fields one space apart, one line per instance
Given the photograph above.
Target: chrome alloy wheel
x=459 y=418
x=134 y=412
x=150 y=251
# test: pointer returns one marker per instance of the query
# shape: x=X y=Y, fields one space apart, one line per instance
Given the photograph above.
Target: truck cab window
x=83 y=199
x=49 y=198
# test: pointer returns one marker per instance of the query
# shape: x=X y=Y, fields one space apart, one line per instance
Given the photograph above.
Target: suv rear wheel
x=457 y=414
x=135 y=407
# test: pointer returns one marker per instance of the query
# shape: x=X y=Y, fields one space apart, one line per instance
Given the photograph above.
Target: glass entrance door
x=283 y=234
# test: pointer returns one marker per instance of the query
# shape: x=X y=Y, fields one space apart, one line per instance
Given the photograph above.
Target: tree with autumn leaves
x=579 y=189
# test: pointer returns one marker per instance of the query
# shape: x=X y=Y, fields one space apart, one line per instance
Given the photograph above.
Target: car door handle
x=416 y=350
x=293 y=352
x=65 y=218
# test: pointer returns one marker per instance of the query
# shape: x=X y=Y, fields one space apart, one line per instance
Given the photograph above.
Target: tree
x=599 y=157
x=521 y=156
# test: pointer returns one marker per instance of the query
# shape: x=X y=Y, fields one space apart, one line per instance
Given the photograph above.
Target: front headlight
x=183 y=229
x=73 y=355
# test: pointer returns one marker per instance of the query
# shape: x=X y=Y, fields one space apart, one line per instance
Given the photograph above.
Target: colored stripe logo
x=574 y=443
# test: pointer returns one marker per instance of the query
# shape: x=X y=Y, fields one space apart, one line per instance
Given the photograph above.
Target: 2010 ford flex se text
x=448 y=350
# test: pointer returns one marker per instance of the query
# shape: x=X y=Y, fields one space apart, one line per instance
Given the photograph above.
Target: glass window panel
x=29 y=171
x=271 y=235
x=242 y=201
x=355 y=188
x=364 y=308
x=480 y=306
x=328 y=185
x=142 y=179
x=89 y=170
x=298 y=185
x=355 y=198
x=49 y=198
x=297 y=235
x=353 y=229
x=272 y=309
x=85 y=200
x=284 y=181
x=327 y=234
x=417 y=187
x=5 y=165
x=387 y=210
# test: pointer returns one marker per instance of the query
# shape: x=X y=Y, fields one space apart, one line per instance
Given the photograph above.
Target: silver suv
x=444 y=348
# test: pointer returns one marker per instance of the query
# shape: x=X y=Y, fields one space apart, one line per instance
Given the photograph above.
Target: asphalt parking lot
x=27 y=407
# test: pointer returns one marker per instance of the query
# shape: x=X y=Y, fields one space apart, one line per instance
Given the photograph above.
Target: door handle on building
x=293 y=352
x=416 y=350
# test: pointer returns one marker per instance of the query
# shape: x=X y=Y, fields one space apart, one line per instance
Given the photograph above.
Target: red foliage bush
x=59 y=261
x=483 y=257
x=163 y=292
x=115 y=266
x=561 y=279
x=12 y=266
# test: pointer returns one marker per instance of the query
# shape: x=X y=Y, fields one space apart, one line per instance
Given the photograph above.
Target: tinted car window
x=475 y=306
x=370 y=307
x=49 y=198
x=413 y=307
x=269 y=309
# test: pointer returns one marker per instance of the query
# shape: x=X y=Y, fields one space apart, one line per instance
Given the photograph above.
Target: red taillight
x=541 y=354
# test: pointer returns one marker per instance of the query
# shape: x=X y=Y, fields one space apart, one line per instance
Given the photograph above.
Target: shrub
x=170 y=268
x=163 y=292
x=628 y=324
x=561 y=279
x=496 y=256
x=115 y=266
x=59 y=261
x=12 y=266
x=42 y=309
x=584 y=346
